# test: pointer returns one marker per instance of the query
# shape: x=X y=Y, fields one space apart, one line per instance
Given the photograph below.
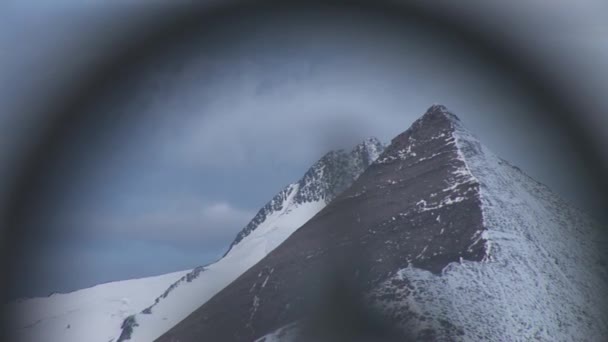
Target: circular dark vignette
x=67 y=110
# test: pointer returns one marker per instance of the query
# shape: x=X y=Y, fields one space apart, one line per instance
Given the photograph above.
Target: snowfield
x=93 y=314
x=188 y=296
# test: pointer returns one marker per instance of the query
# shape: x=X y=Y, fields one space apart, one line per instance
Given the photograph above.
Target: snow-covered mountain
x=92 y=314
x=439 y=240
x=148 y=307
x=326 y=179
x=275 y=222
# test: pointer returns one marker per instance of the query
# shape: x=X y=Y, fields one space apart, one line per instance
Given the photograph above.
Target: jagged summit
x=433 y=115
x=398 y=213
x=442 y=238
x=439 y=109
x=275 y=222
x=326 y=178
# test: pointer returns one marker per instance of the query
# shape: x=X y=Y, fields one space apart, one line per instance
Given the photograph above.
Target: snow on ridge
x=275 y=222
x=318 y=183
x=186 y=298
x=97 y=313
x=543 y=277
x=372 y=147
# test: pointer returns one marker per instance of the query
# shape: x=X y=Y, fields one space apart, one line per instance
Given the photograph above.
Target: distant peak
x=368 y=150
x=371 y=145
x=435 y=107
x=369 y=142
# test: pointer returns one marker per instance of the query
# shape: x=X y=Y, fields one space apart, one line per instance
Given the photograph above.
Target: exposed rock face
x=275 y=222
x=440 y=239
x=327 y=178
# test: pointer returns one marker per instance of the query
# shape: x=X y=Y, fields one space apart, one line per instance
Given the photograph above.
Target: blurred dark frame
x=67 y=110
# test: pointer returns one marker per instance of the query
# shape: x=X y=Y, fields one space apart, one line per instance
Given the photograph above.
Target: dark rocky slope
x=279 y=218
x=438 y=239
x=383 y=221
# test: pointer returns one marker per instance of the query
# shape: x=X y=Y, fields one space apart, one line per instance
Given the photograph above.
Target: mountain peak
x=438 y=237
x=436 y=112
x=429 y=136
x=275 y=222
x=434 y=115
x=397 y=214
x=326 y=178
x=439 y=109
x=436 y=107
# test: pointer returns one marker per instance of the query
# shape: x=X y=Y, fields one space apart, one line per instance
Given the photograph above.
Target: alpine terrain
x=275 y=222
x=439 y=239
x=92 y=314
x=143 y=309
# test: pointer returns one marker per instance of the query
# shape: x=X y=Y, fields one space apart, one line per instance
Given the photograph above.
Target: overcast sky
x=223 y=130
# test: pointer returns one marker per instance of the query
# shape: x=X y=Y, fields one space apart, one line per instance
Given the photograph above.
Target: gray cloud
x=184 y=222
x=224 y=130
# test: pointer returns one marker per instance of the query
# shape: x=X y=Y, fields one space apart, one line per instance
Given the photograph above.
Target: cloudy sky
x=219 y=131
